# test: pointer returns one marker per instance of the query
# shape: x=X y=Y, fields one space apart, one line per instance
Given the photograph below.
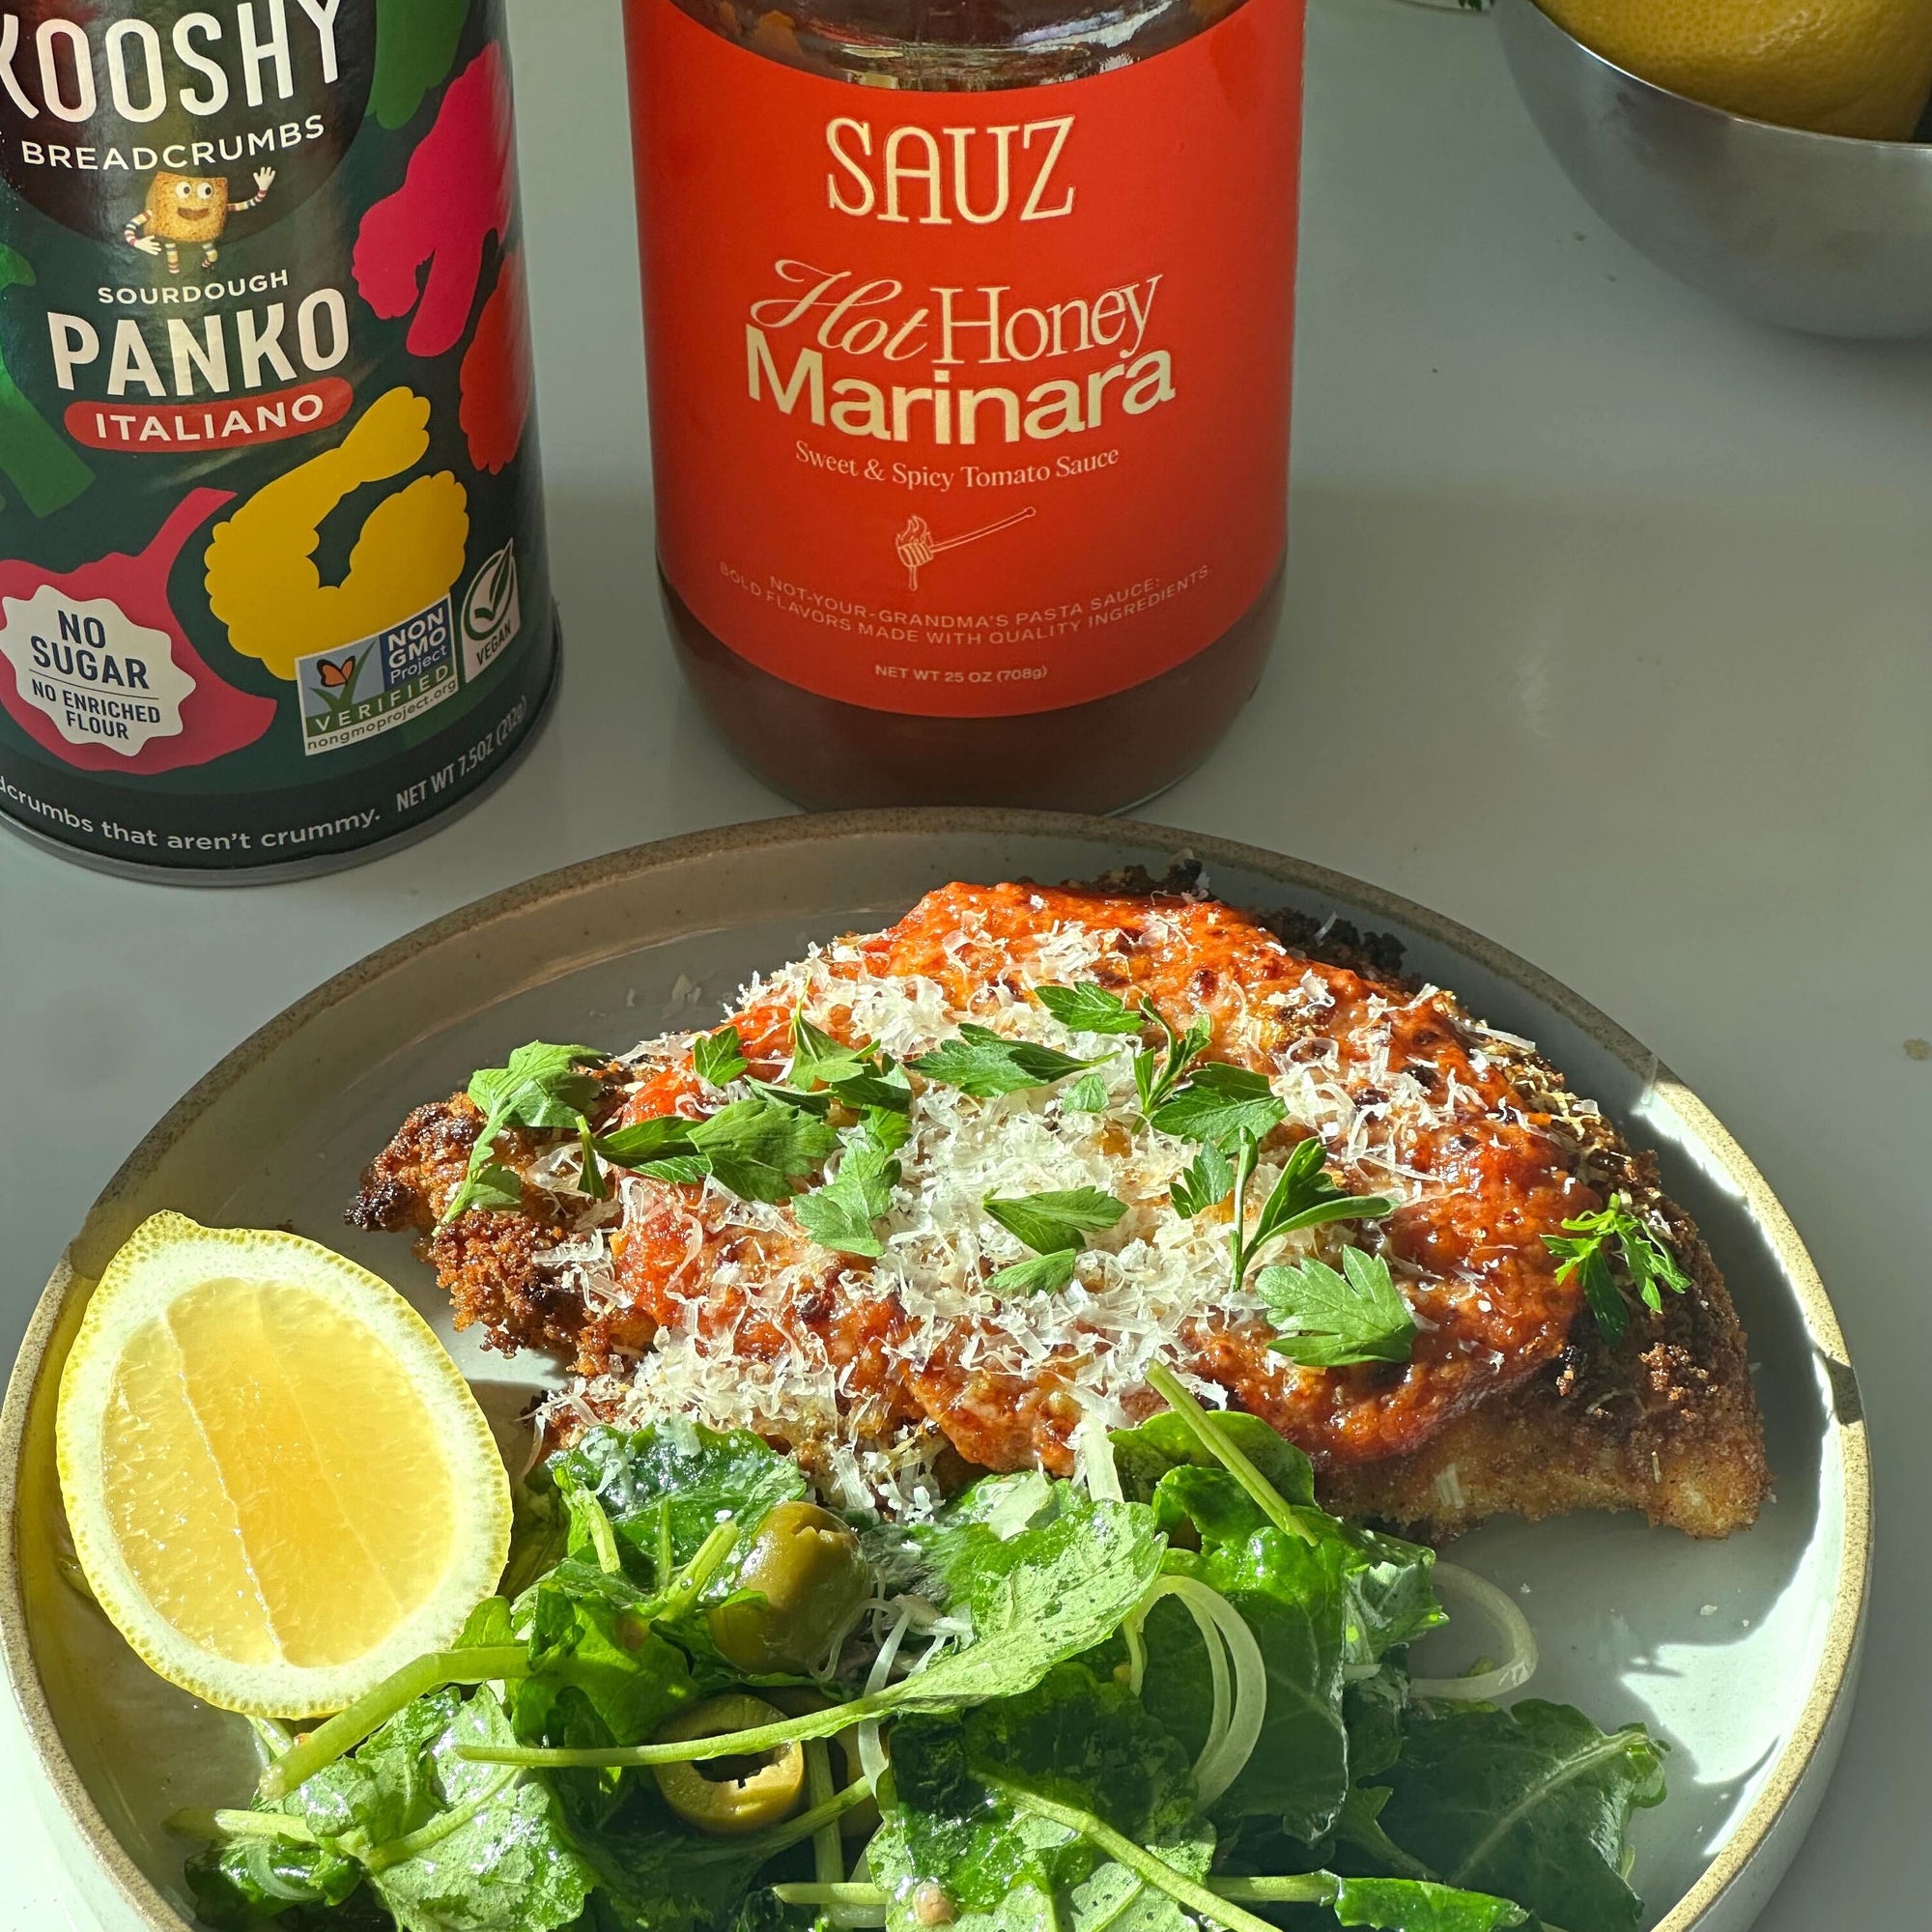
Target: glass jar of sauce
x=969 y=334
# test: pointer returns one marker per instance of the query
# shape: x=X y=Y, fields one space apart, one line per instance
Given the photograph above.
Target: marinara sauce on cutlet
x=1486 y=1181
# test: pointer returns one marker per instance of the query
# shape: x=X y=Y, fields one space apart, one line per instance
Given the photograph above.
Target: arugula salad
x=1171 y=1693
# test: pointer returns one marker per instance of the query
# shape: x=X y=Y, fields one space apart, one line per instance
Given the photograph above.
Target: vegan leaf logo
x=491 y=599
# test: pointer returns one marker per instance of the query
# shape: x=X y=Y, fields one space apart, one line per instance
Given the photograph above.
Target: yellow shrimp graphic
x=261 y=578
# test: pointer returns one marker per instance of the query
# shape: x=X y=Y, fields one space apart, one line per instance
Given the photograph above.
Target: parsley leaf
x=1651 y=1266
x=1048 y=1222
x=985 y=1066
x=1329 y=1322
x=1043 y=1274
x=544 y=1086
x=762 y=1150
x=644 y=1141
x=720 y=1057
x=1055 y=1227
x=887 y=1127
x=491 y=1186
x=1219 y=1104
x=1600 y=1288
x=591 y=1178
x=1649 y=1260
x=824 y=1069
x=682 y=1168
x=887 y=1088
x=817 y=1060
x=1205 y=1184
x=862 y=1092
x=1304 y=1197
x=839 y=1215
x=1089 y=1010
x=1159 y=1071
x=1087 y=1095
x=759 y=1148
x=819 y=1104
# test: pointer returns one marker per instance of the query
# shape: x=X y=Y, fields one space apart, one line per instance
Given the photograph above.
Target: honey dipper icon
x=917 y=549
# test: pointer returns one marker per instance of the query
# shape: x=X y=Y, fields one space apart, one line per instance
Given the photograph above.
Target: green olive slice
x=802 y=1580
x=732 y=1808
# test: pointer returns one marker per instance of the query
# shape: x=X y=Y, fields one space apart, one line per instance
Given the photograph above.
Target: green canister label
x=273 y=584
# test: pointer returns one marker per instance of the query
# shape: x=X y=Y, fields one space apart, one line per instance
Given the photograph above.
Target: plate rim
x=1832 y=1687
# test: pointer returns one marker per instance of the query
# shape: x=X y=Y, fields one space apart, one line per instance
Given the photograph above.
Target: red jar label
x=969 y=405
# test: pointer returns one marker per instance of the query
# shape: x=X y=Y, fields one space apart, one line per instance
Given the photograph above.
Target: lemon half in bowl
x=279 y=1485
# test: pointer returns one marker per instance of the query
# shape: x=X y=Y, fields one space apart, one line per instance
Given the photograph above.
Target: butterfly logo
x=335 y=681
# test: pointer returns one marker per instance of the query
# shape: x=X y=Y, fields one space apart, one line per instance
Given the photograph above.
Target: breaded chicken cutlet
x=1561 y=1338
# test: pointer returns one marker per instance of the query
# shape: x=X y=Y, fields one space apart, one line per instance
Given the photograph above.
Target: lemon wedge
x=280 y=1487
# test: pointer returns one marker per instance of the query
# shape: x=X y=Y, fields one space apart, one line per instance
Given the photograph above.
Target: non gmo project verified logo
x=359 y=690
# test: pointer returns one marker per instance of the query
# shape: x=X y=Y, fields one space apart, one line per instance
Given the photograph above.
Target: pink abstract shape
x=216 y=719
x=456 y=194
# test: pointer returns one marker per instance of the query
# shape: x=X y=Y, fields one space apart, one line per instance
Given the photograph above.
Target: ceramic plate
x=1741 y=1654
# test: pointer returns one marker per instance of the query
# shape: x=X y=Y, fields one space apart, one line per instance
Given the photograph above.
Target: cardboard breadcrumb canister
x=273 y=583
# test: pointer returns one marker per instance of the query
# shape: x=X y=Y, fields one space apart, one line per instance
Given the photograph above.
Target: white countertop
x=1609 y=636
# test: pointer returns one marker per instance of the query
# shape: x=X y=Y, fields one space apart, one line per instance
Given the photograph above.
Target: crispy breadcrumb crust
x=487 y=1261
x=1665 y=1422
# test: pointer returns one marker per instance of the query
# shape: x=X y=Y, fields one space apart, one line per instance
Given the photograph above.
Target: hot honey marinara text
x=827 y=345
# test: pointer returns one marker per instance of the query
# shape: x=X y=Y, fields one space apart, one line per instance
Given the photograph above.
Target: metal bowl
x=1811 y=231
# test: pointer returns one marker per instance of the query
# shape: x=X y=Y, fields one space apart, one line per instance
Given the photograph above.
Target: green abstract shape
x=38 y=460
x=416 y=48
